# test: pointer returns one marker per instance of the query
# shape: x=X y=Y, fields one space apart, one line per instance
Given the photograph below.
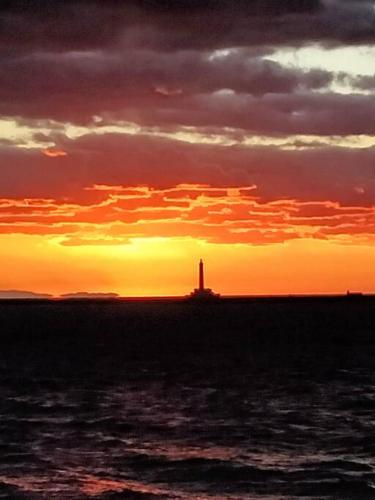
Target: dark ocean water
x=254 y=422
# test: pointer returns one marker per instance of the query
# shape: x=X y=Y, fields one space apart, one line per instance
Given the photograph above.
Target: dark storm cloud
x=137 y=71
x=151 y=62
x=85 y=25
x=364 y=82
x=316 y=114
x=76 y=86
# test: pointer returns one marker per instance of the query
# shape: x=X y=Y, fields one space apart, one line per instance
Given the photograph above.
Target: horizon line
x=108 y=297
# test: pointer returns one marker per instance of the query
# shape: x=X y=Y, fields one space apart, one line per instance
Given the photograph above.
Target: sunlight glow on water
x=247 y=436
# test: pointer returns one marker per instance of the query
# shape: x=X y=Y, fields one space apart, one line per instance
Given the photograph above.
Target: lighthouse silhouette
x=201 y=292
x=201 y=275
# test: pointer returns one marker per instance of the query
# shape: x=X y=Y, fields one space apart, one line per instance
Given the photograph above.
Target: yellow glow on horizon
x=168 y=266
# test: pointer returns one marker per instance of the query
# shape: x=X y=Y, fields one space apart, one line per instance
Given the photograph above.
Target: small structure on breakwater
x=202 y=293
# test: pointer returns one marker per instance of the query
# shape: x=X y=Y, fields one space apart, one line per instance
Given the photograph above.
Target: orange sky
x=169 y=267
x=138 y=241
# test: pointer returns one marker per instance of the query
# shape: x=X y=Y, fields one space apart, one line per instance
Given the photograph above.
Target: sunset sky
x=137 y=137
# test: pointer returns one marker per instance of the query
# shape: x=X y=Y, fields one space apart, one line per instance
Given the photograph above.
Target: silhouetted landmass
x=22 y=294
x=89 y=295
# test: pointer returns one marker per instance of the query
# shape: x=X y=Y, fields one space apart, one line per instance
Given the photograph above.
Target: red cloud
x=220 y=215
x=54 y=153
x=315 y=174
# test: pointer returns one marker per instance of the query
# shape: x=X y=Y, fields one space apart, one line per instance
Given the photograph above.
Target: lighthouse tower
x=201 y=292
x=201 y=276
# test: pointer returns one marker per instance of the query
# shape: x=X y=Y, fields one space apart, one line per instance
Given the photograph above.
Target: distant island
x=22 y=294
x=89 y=295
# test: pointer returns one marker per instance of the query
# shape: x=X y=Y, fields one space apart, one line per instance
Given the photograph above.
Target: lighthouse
x=201 y=276
x=201 y=292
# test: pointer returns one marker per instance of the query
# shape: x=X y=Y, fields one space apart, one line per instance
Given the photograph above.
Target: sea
x=251 y=399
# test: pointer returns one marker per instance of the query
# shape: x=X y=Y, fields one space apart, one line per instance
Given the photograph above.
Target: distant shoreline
x=188 y=300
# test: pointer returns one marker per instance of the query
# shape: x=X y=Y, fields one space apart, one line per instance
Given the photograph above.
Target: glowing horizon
x=168 y=267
